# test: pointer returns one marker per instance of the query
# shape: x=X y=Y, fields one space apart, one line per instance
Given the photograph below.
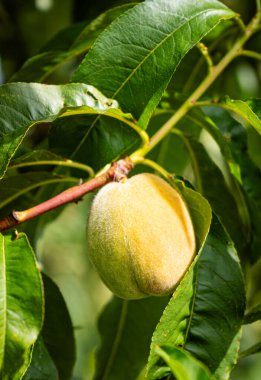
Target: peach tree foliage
x=150 y=86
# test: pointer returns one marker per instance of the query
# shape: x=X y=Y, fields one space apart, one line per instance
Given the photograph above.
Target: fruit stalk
x=116 y=172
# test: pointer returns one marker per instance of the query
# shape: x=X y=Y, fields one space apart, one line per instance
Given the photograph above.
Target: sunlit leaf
x=25 y=105
x=206 y=311
x=249 y=110
x=41 y=367
x=146 y=44
x=21 y=309
x=183 y=365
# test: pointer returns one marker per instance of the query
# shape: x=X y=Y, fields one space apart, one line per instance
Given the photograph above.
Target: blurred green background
x=25 y=27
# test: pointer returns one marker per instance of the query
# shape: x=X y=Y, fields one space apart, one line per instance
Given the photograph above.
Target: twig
x=250 y=54
x=251 y=28
x=115 y=173
x=205 y=53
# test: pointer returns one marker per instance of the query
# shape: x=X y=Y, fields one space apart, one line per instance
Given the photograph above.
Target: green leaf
x=146 y=44
x=232 y=211
x=183 y=365
x=249 y=110
x=126 y=328
x=251 y=350
x=199 y=209
x=21 y=309
x=206 y=311
x=57 y=330
x=34 y=156
x=236 y=134
x=68 y=44
x=93 y=140
x=25 y=105
x=253 y=315
x=206 y=123
x=12 y=187
x=41 y=367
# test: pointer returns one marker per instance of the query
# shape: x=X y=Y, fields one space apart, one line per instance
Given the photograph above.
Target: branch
x=216 y=70
x=115 y=173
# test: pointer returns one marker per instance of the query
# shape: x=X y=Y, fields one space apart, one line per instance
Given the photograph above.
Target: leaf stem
x=205 y=53
x=68 y=163
x=250 y=53
x=199 y=91
x=152 y=164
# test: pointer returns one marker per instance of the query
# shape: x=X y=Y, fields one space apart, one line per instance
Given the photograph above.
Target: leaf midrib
x=134 y=71
x=154 y=49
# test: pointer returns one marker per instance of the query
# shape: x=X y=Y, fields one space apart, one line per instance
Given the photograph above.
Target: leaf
x=146 y=44
x=213 y=187
x=25 y=105
x=249 y=110
x=57 y=330
x=251 y=350
x=21 y=309
x=12 y=187
x=253 y=315
x=33 y=156
x=236 y=134
x=199 y=210
x=126 y=328
x=92 y=140
x=68 y=44
x=206 y=123
x=206 y=311
x=41 y=367
x=183 y=365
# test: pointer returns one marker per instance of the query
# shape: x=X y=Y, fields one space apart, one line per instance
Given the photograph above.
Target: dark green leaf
x=126 y=328
x=213 y=186
x=21 y=309
x=34 y=156
x=205 y=122
x=146 y=45
x=68 y=44
x=24 y=105
x=41 y=367
x=12 y=187
x=57 y=330
x=250 y=175
x=183 y=365
x=207 y=309
x=110 y=139
x=253 y=315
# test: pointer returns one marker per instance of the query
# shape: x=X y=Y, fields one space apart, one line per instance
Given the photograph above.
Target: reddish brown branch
x=116 y=172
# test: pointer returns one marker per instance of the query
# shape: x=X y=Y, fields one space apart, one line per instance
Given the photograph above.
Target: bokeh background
x=25 y=27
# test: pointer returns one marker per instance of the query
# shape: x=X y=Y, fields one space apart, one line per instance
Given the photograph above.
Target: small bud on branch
x=115 y=173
